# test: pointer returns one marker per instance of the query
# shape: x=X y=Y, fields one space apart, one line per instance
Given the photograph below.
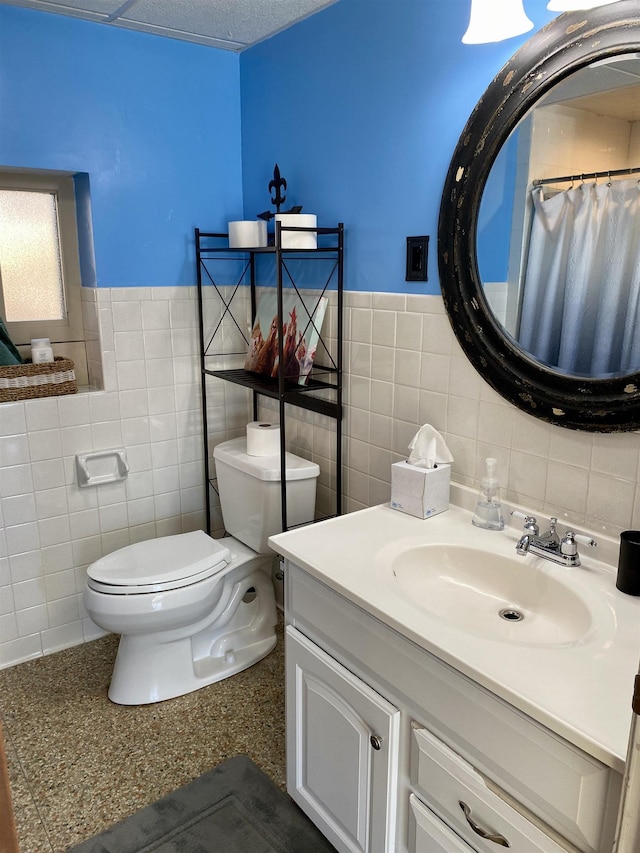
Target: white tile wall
x=567 y=141
x=588 y=479
x=50 y=530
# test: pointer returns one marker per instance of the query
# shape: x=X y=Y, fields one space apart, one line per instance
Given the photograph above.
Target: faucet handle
x=584 y=540
x=569 y=545
x=530 y=522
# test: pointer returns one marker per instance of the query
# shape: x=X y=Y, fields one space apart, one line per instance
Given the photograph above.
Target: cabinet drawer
x=450 y=786
x=428 y=834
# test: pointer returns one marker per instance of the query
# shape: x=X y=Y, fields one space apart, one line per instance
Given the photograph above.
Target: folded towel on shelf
x=8 y=353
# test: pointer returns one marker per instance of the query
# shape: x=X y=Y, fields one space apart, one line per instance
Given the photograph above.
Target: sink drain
x=511 y=615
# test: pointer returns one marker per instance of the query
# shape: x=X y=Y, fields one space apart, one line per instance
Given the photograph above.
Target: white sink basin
x=441 y=582
x=491 y=595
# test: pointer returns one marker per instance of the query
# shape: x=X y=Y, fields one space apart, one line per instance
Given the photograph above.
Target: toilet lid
x=167 y=562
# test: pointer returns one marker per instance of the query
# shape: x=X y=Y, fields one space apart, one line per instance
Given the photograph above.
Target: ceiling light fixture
x=496 y=20
x=576 y=5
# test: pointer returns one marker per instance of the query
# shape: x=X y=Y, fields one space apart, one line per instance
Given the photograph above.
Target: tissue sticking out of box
x=428 y=449
x=420 y=486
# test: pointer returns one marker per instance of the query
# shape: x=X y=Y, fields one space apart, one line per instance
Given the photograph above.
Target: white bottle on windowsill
x=41 y=350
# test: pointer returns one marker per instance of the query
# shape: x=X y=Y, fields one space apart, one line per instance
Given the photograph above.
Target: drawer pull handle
x=497 y=839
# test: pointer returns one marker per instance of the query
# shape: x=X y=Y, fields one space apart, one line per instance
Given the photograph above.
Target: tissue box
x=422 y=492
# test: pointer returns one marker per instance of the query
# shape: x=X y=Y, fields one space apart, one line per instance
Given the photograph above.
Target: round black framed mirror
x=607 y=402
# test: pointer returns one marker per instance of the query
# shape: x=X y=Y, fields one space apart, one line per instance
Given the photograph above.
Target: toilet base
x=158 y=666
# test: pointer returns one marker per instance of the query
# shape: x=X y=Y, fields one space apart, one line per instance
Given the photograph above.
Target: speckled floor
x=78 y=763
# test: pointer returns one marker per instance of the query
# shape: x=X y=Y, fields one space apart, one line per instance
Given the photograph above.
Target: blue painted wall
x=154 y=122
x=361 y=106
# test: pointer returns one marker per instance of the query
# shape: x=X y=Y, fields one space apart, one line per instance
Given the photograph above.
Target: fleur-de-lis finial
x=277 y=184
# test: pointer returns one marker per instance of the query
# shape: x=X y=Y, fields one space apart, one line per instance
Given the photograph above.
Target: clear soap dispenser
x=488 y=512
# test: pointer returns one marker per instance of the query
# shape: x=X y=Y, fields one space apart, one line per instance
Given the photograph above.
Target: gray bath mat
x=233 y=808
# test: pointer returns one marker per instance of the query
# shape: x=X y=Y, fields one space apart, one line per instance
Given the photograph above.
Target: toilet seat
x=156 y=565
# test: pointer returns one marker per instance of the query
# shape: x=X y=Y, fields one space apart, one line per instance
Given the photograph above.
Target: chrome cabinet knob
x=375 y=741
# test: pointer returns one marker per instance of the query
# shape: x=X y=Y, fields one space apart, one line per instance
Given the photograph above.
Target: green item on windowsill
x=8 y=353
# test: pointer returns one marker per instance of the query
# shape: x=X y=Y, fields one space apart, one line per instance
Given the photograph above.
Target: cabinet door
x=342 y=750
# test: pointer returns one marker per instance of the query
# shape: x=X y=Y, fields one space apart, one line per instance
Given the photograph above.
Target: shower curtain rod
x=612 y=173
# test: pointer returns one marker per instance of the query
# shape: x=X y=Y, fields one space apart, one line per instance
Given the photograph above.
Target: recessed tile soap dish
x=101 y=466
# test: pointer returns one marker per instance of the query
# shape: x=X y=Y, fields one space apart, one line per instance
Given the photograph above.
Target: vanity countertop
x=581 y=690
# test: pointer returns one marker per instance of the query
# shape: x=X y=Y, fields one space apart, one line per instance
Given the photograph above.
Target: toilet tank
x=249 y=488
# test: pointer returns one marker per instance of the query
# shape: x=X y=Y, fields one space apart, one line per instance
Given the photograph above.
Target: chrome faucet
x=549 y=545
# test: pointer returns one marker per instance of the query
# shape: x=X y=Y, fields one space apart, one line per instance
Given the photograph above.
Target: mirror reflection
x=558 y=237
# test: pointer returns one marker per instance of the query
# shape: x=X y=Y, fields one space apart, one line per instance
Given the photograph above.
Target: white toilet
x=190 y=609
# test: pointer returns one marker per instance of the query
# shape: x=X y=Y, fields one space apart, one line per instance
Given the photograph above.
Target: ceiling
x=228 y=24
x=621 y=103
x=610 y=87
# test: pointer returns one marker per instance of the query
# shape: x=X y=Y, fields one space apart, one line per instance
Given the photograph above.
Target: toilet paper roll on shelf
x=298 y=239
x=263 y=439
x=248 y=234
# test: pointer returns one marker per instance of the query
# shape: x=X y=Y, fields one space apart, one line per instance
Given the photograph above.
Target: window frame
x=71 y=328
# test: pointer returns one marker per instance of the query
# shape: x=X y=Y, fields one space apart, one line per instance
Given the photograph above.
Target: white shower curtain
x=581 y=296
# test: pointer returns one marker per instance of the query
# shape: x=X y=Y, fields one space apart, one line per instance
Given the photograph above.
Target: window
x=40 y=283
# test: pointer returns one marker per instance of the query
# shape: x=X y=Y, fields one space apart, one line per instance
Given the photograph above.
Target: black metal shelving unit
x=323 y=391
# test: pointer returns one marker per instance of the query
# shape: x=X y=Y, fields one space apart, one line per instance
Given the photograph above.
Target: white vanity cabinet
x=458 y=769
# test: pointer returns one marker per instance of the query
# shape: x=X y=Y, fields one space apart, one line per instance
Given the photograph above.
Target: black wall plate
x=417 y=255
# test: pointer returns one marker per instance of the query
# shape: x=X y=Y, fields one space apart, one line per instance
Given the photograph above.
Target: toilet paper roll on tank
x=420 y=486
x=263 y=439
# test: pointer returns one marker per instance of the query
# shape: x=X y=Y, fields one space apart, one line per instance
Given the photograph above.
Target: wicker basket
x=28 y=381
